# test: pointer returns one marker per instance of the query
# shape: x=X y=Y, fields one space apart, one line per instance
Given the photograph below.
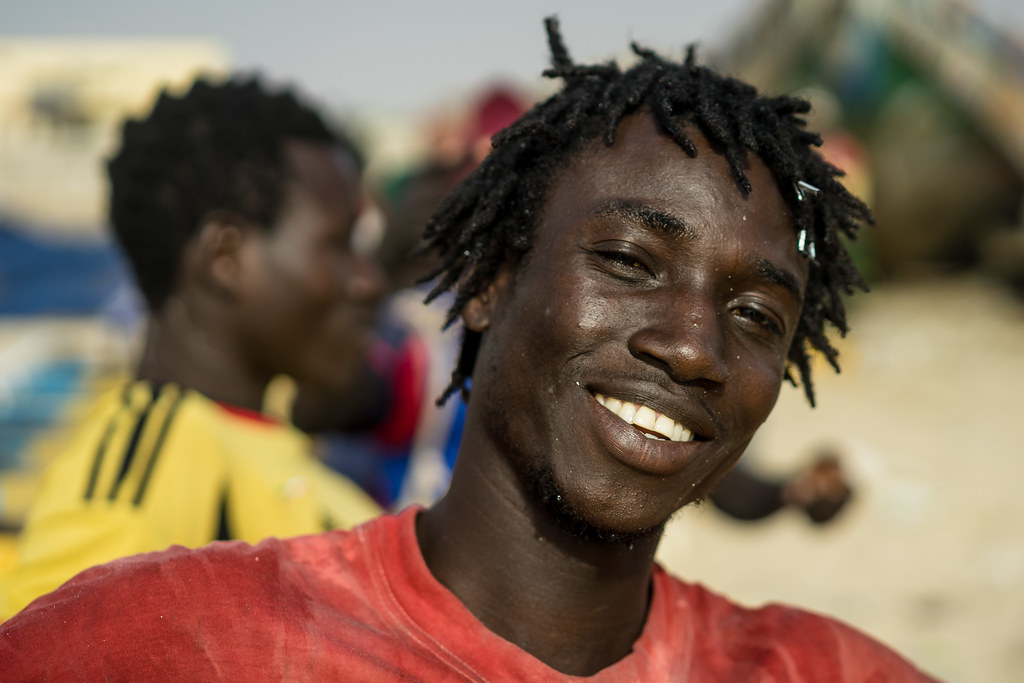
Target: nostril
x=688 y=353
x=366 y=281
x=655 y=361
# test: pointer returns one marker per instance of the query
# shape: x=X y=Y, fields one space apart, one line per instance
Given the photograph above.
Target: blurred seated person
x=458 y=143
x=402 y=448
x=819 y=490
x=235 y=206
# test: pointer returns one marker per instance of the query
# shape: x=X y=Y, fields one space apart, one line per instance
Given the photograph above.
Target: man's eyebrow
x=647 y=216
x=779 y=276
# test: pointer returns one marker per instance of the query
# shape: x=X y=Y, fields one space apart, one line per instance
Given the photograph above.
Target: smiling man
x=638 y=264
x=626 y=361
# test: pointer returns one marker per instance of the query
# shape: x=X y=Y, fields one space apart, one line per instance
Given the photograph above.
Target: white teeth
x=646 y=418
x=665 y=425
x=642 y=416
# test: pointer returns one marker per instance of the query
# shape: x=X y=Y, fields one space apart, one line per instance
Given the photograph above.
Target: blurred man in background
x=236 y=207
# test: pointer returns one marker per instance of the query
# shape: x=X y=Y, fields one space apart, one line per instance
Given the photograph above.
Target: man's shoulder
x=103 y=428
x=180 y=603
x=174 y=575
x=799 y=643
x=710 y=608
x=180 y=575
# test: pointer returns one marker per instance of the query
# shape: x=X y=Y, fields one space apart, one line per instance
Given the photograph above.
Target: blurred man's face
x=312 y=296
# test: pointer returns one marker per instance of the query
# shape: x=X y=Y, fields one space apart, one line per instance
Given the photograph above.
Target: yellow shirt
x=147 y=469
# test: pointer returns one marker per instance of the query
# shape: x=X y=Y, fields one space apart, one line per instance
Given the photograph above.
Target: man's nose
x=365 y=279
x=685 y=337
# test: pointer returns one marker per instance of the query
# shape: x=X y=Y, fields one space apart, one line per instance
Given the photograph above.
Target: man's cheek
x=596 y=313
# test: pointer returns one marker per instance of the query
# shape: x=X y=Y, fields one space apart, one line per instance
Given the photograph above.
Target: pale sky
x=386 y=53
x=403 y=55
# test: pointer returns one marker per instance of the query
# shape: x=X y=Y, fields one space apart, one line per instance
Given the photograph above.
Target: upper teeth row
x=642 y=416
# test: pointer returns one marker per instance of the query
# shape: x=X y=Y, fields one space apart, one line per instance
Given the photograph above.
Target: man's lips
x=651 y=423
x=664 y=449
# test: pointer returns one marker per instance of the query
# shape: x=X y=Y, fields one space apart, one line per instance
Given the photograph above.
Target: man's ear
x=217 y=253
x=478 y=312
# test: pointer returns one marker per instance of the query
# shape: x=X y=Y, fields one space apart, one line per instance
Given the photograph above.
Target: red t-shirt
x=363 y=606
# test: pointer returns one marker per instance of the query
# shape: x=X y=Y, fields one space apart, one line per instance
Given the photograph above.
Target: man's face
x=311 y=298
x=658 y=302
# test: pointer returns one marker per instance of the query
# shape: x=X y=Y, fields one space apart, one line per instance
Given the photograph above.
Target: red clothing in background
x=363 y=606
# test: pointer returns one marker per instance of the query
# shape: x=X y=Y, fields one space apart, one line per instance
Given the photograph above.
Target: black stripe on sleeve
x=223 y=526
x=133 y=443
x=108 y=433
x=157 y=448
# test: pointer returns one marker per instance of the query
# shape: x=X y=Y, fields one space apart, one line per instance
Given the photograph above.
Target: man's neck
x=577 y=605
x=180 y=349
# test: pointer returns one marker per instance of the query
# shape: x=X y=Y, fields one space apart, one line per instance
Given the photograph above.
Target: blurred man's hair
x=219 y=148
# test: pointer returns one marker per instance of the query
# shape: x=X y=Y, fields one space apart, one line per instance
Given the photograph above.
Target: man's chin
x=546 y=491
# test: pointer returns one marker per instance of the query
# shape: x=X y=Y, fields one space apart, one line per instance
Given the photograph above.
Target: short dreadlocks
x=218 y=147
x=492 y=215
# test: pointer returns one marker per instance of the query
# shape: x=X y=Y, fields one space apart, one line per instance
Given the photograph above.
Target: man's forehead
x=646 y=167
x=321 y=167
x=647 y=183
x=641 y=146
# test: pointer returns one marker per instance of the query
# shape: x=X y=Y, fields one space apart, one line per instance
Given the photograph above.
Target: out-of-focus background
x=921 y=102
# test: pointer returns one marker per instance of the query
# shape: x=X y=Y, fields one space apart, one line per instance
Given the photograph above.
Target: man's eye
x=759 y=318
x=625 y=262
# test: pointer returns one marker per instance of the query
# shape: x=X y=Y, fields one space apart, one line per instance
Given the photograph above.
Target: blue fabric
x=40 y=398
x=46 y=276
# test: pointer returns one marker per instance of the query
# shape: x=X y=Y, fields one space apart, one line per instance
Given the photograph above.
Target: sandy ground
x=929 y=555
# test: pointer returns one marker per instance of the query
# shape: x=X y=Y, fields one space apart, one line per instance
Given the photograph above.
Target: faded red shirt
x=363 y=606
